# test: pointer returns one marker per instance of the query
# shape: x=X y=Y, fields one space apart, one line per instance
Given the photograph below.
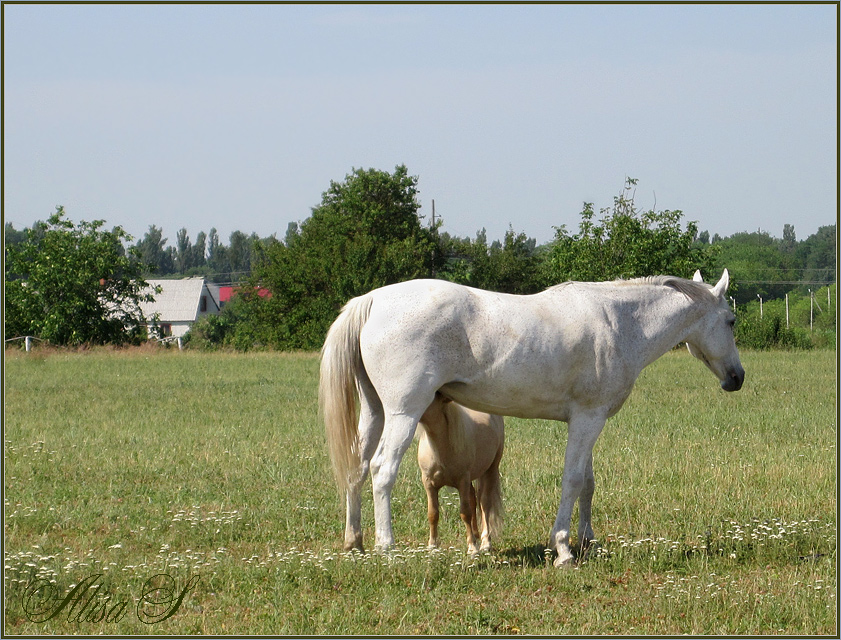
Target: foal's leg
x=397 y=436
x=370 y=431
x=467 y=510
x=432 y=511
x=583 y=432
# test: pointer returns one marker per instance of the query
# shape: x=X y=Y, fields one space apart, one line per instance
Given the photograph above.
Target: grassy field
x=139 y=477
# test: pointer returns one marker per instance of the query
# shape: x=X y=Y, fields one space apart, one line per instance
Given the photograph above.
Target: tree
x=366 y=233
x=198 y=259
x=153 y=254
x=183 y=251
x=818 y=256
x=75 y=285
x=627 y=243
x=217 y=257
x=510 y=266
x=12 y=236
x=789 y=243
x=756 y=261
x=239 y=252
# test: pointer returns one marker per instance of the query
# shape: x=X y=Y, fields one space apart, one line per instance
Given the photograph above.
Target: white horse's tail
x=341 y=366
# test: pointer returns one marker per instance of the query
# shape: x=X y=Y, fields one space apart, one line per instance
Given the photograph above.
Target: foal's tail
x=495 y=513
x=341 y=367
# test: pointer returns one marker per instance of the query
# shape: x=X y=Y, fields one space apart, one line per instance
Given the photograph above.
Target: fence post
x=28 y=342
x=786 y=311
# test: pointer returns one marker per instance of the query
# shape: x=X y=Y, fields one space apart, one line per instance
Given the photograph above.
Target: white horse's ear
x=721 y=288
x=697 y=277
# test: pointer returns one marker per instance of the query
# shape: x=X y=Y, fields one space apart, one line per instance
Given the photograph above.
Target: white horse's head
x=711 y=340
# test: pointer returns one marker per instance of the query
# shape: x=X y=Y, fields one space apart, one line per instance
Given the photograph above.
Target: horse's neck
x=663 y=320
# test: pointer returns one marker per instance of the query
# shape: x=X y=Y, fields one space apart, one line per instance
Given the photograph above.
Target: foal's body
x=458 y=445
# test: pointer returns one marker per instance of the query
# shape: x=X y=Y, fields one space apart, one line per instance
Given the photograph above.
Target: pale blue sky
x=238 y=117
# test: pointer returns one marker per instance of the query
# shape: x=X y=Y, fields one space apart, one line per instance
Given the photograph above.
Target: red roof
x=226 y=293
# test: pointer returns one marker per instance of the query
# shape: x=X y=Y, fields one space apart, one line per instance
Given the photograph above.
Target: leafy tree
x=240 y=251
x=789 y=243
x=12 y=236
x=817 y=255
x=198 y=258
x=627 y=243
x=366 y=233
x=75 y=285
x=183 y=251
x=153 y=254
x=756 y=261
x=217 y=256
x=511 y=266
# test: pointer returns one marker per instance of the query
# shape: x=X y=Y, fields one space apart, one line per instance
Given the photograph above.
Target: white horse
x=458 y=445
x=570 y=353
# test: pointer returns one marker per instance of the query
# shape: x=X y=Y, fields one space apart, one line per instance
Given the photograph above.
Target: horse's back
x=520 y=355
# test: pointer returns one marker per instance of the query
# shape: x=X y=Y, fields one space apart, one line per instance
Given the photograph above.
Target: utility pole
x=436 y=235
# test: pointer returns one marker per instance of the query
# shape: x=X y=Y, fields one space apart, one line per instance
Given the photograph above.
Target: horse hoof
x=565 y=561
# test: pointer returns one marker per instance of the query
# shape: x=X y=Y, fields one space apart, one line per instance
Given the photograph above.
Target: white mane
x=697 y=291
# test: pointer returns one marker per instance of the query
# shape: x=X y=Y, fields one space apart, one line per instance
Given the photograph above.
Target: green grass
x=716 y=512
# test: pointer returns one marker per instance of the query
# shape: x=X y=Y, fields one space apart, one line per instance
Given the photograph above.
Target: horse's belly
x=513 y=401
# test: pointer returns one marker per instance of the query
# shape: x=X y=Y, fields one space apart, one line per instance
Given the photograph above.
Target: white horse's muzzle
x=734 y=380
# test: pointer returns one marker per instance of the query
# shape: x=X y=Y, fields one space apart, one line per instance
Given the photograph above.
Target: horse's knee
x=383 y=475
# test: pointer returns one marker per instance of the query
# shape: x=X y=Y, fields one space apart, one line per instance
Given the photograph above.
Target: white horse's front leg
x=583 y=432
x=397 y=436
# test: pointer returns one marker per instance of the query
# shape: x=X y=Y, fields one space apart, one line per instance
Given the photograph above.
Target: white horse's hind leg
x=371 y=421
x=583 y=432
x=396 y=438
x=585 y=507
x=353 y=518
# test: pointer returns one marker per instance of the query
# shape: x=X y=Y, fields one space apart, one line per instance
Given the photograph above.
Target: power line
x=820 y=282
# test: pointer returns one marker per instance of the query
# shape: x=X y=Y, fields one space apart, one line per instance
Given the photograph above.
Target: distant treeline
x=367 y=233
x=759 y=263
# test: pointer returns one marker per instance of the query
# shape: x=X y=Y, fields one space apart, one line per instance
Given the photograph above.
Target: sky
x=238 y=117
